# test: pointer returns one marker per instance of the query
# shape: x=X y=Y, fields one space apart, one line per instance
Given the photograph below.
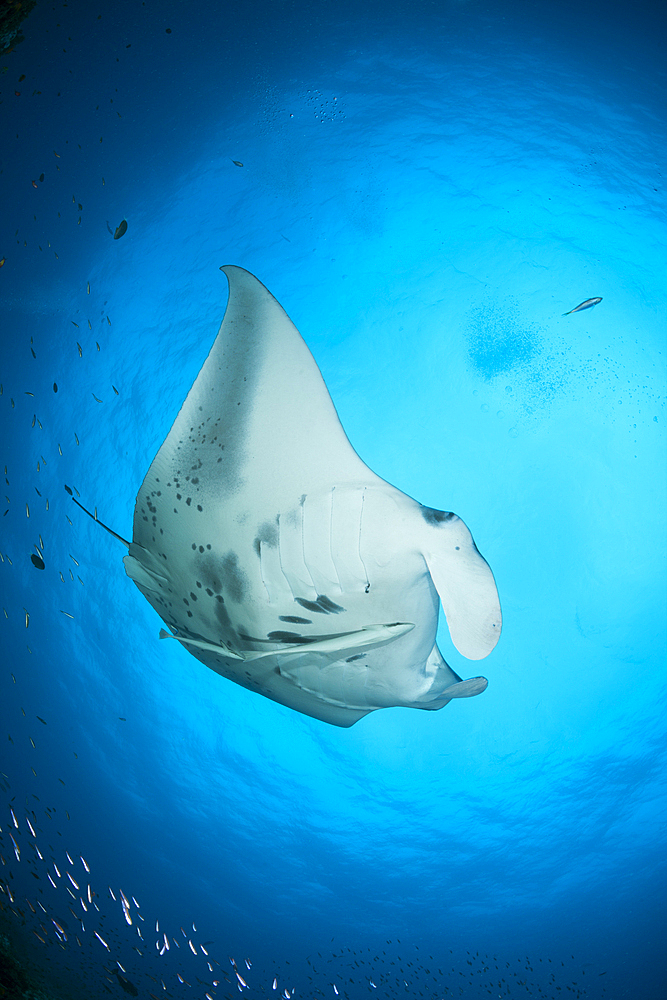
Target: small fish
x=88 y=287
x=41 y=178
x=55 y=387
x=588 y=304
x=2 y=261
x=237 y=163
x=101 y=939
x=79 y=347
x=37 y=562
x=43 y=721
x=34 y=183
x=275 y=984
x=120 y=230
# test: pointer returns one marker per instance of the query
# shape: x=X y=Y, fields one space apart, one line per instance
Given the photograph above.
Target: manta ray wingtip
x=467 y=689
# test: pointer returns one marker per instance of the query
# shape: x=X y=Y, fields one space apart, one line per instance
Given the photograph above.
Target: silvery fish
x=584 y=305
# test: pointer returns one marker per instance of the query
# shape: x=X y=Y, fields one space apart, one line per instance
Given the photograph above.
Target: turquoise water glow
x=425 y=190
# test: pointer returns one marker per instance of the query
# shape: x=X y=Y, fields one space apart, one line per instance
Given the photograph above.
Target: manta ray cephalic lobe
x=278 y=559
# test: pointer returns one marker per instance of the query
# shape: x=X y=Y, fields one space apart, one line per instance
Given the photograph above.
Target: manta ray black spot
x=322 y=606
x=287 y=637
x=267 y=534
x=328 y=605
x=310 y=606
x=295 y=620
x=359 y=656
x=436 y=516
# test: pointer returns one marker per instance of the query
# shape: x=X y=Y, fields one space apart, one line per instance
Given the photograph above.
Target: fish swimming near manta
x=279 y=560
x=588 y=304
x=120 y=230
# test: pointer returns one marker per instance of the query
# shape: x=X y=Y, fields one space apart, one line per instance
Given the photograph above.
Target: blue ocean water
x=426 y=188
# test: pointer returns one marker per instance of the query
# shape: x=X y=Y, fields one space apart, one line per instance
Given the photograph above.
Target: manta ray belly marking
x=256 y=509
x=323 y=605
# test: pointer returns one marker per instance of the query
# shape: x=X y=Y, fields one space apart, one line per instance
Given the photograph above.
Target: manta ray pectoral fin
x=465 y=584
x=466 y=689
x=461 y=689
x=144 y=577
x=210 y=646
x=369 y=637
x=365 y=638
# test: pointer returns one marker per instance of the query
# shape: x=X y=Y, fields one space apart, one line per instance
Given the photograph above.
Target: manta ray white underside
x=278 y=559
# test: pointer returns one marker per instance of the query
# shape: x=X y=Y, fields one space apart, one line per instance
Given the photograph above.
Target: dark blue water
x=426 y=188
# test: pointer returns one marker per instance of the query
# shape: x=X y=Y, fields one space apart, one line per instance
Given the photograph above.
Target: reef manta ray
x=279 y=560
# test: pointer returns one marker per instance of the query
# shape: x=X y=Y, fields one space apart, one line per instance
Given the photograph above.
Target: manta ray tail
x=101 y=523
